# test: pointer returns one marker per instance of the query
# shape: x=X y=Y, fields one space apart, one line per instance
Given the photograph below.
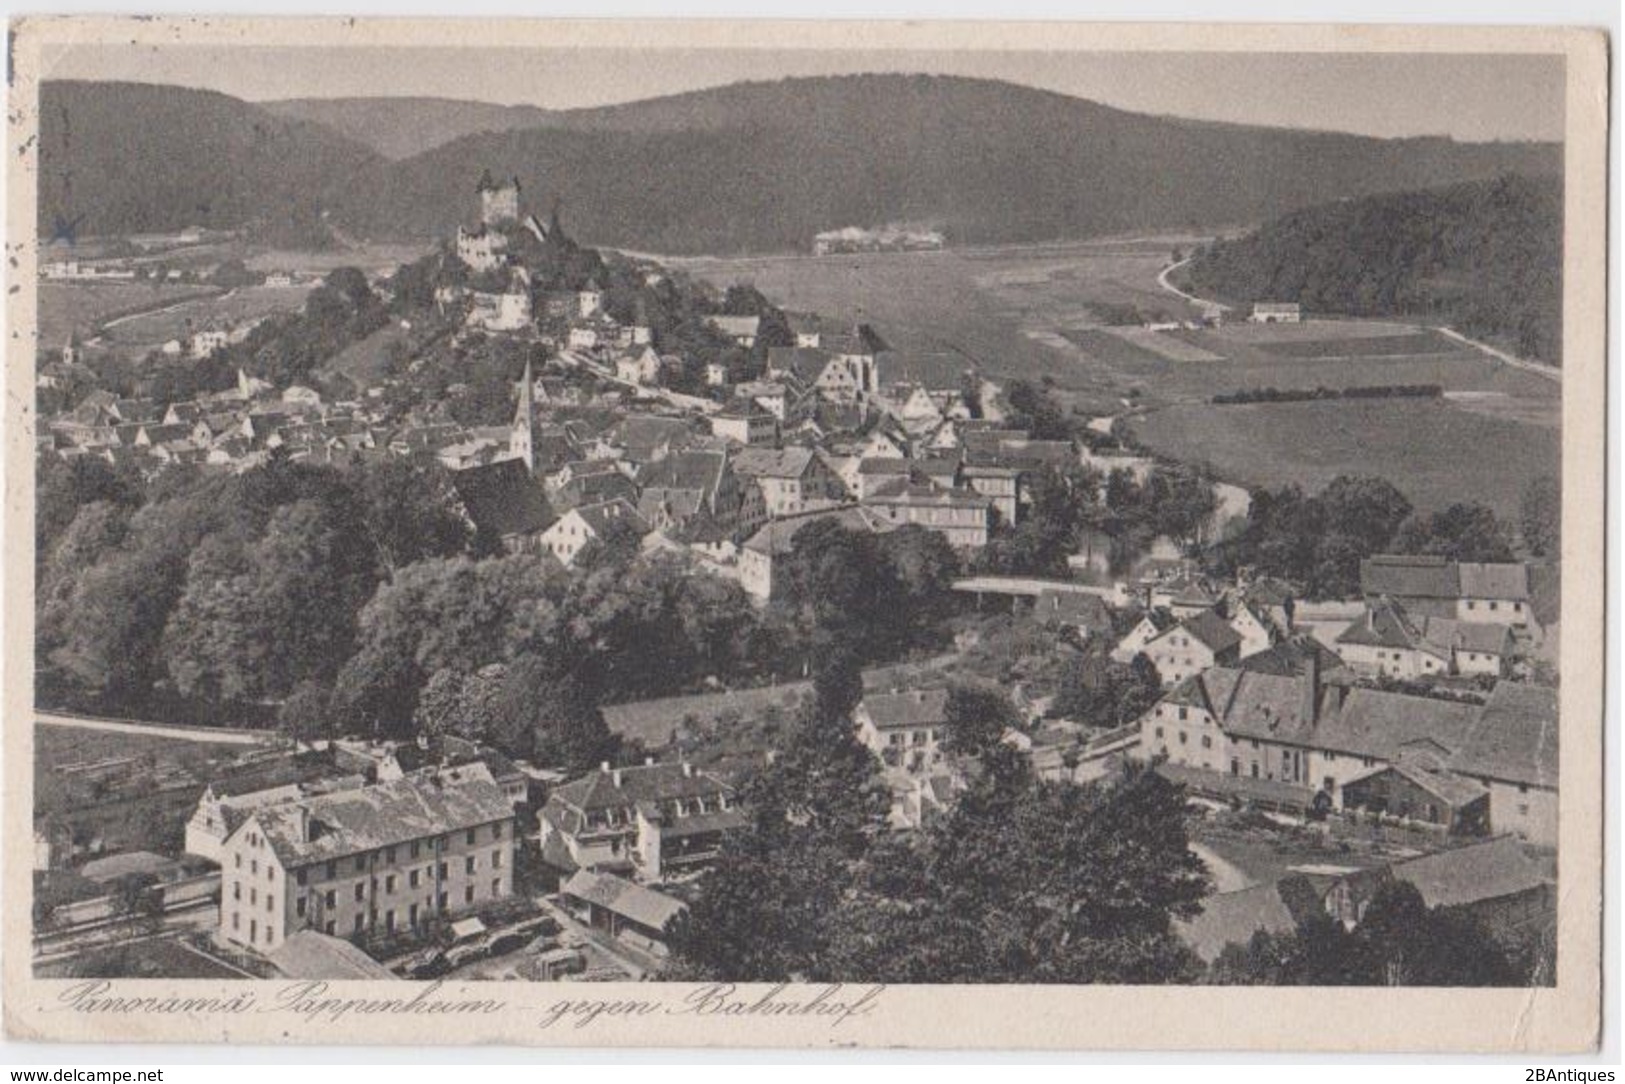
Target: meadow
x=65 y=309
x=242 y=305
x=1032 y=312
x=1433 y=452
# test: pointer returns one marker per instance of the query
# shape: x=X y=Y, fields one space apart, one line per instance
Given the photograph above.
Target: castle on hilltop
x=485 y=247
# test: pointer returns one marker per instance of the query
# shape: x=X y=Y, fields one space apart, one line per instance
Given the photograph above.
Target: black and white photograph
x=511 y=518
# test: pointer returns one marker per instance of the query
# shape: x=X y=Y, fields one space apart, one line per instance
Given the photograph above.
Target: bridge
x=1028 y=587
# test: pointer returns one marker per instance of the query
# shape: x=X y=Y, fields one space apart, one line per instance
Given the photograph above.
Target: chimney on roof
x=603 y=765
x=648 y=762
x=616 y=776
x=688 y=770
x=302 y=822
x=1310 y=683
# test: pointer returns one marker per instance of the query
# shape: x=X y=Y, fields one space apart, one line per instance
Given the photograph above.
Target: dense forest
x=1485 y=258
x=747 y=167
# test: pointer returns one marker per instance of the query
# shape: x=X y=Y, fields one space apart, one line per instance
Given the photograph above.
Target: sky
x=1468 y=97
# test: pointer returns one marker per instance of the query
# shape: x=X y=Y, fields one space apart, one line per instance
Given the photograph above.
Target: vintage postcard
x=805 y=534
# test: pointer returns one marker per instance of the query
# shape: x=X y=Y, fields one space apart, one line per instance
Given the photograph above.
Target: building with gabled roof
x=505 y=502
x=689 y=484
x=1388 y=641
x=741 y=329
x=366 y=862
x=1419 y=788
x=604 y=522
x=791 y=480
x=1438 y=587
x=649 y=821
x=623 y=909
x=962 y=516
x=1309 y=729
x=763 y=551
x=1193 y=645
x=903 y=728
x=1493 y=881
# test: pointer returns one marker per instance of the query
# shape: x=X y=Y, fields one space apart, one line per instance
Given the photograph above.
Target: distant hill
x=132 y=157
x=403 y=127
x=757 y=167
x=765 y=166
x=1485 y=257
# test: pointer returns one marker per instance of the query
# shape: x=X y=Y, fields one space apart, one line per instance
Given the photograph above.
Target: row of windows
x=1517 y=607
x=917 y=737
x=359 y=863
x=414 y=877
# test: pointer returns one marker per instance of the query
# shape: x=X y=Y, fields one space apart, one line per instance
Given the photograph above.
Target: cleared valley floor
x=1035 y=311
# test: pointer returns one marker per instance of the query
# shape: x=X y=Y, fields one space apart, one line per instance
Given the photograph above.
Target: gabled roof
x=1269 y=591
x=637 y=783
x=804 y=323
x=1426 y=772
x=1513 y=737
x=1251 y=705
x=792 y=462
x=1384 y=624
x=777 y=538
x=691 y=470
x=1497 y=581
x=1447 y=634
x=916 y=707
x=807 y=363
x=646 y=432
x=644 y=906
x=311 y=954
x=1077 y=607
x=385 y=814
x=1402 y=576
x=1292 y=657
x=1208 y=629
x=1374 y=723
x=901 y=491
x=1481 y=871
x=1233 y=917
x=606 y=516
x=503 y=498
x=884 y=465
x=736 y=326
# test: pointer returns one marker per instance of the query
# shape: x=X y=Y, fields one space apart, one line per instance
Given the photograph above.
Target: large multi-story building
x=1326 y=736
x=962 y=516
x=649 y=821
x=366 y=862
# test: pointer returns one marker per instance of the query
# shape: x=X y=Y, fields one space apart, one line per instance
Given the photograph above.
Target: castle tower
x=522 y=436
x=499 y=203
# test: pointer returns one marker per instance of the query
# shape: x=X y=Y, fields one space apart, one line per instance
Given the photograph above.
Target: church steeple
x=521 y=438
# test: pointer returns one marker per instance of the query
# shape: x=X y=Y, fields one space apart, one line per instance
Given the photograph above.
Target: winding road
x=1200 y=302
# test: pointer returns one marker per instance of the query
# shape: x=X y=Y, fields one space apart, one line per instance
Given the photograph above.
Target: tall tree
x=1540 y=514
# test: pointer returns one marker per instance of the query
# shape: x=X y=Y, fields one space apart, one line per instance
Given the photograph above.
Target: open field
x=1364 y=346
x=1002 y=306
x=1435 y=453
x=369 y=256
x=1111 y=348
x=124 y=788
x=238 y=306
x=64 y=308
x=1032 y=311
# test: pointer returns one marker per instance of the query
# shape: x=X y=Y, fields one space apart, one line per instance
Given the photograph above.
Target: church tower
x=521 y=438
